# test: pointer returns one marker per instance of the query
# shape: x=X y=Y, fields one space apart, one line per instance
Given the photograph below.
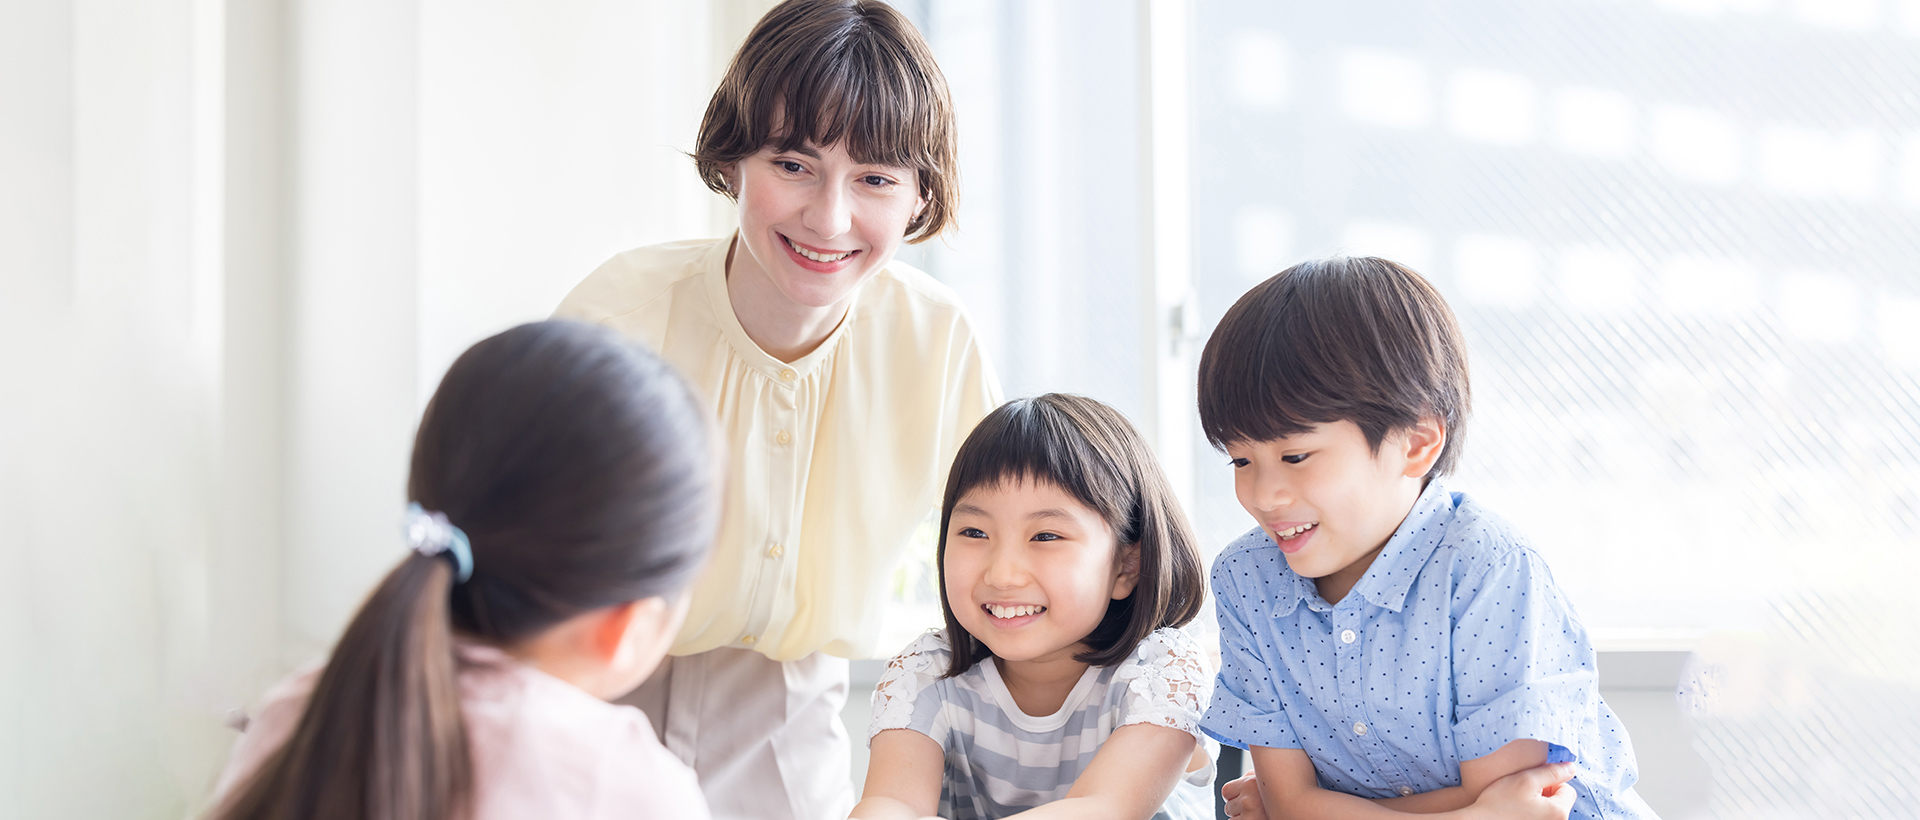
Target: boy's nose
x=829 y=214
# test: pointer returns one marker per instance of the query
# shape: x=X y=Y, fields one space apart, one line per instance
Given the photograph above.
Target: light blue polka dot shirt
x=1454 y=643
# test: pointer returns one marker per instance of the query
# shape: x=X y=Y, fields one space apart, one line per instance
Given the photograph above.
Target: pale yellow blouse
x=832 y=459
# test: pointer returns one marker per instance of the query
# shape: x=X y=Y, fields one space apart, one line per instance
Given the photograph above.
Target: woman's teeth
x=1294 y=531
x=1014 y=611
x=817 y=257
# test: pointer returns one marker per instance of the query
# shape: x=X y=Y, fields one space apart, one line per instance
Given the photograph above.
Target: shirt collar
x=1390 y=578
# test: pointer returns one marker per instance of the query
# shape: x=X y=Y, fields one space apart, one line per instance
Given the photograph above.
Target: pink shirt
x=541 y=747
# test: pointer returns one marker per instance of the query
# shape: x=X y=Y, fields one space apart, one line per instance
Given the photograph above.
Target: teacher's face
x=817 y=223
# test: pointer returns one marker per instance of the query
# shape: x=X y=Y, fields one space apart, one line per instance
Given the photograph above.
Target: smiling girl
x=1061 y=685
x=843 y=381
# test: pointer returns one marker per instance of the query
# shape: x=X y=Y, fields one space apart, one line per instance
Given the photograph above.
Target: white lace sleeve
x=1168 y=682
x=911 y=672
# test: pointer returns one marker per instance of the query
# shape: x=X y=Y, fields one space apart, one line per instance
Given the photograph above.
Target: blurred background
x=240 y=241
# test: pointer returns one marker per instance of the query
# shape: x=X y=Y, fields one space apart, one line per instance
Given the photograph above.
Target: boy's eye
x=1296 y=458
x=1238 y=462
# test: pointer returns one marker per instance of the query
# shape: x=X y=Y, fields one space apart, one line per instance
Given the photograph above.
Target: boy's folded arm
x=1130 y=777
x=1290 y=789
x=1475 y=776
x=904 y=768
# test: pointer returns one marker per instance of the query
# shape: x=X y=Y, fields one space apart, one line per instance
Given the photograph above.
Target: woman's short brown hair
x=1356 y=339
x=1091 y=452
x=823 y=71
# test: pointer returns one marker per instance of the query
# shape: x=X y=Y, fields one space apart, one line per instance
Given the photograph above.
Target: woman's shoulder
x=633 y=279
x=906 y=301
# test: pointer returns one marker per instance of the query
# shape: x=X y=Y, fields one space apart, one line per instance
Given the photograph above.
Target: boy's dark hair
x=1088 y=450
x=1356 y=339
x=580 y=466
x=823 y=71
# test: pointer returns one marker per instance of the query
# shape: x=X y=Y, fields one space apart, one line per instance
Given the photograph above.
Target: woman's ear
x=1129 y=575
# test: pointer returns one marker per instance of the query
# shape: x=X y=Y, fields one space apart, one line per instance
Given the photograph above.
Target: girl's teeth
x=1293 y=531
x=1014 y=611
x=817 y=257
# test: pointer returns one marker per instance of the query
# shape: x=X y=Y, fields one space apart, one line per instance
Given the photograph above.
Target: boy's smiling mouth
x=1293 y=532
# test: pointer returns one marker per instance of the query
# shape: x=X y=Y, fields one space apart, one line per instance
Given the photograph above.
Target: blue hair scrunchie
x=430 y=533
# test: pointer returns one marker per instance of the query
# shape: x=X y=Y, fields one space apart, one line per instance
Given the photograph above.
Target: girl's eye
x=1296 y=458
x=1045 y=536
x=971 y=532
x=1238 y=462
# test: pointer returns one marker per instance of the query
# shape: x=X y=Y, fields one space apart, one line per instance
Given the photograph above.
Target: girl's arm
x=904 y=769
x=1129 y=777
x=1510 y=783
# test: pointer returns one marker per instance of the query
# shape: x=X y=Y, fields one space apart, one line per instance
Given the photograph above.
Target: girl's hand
x=1243 y=798
x=1539 y=793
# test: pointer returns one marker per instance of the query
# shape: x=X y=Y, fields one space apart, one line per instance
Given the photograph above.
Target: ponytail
x=578 y=469
x=382 y=737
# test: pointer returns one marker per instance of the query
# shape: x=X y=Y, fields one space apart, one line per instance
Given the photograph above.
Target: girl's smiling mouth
x=1012 y=614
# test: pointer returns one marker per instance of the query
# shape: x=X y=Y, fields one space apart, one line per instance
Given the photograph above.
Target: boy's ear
x=1129 y=575
x=1426 y=439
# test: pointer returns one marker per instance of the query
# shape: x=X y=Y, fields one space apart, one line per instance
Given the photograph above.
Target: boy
x=843 y=382
x=1387 y=646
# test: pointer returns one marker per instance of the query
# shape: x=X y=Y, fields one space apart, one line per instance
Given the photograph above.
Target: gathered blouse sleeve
x=904 y=697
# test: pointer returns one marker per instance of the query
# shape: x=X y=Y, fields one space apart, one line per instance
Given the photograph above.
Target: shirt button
x=1347 y=636
x=1360 y=729
x=787 y=375
x=775 y=551
x=1406 y=791
x=782 y=437
x=748 y=640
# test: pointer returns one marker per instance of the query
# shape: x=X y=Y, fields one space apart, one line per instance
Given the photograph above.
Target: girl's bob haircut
x=1089 y=450
x=824 y=71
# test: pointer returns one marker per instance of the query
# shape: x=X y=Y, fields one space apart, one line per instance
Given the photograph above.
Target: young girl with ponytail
x=563 y=495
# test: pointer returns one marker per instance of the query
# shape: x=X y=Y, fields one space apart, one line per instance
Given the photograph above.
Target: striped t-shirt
x=1001 y=761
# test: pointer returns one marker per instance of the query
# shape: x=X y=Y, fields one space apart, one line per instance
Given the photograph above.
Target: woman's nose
x=829 y=214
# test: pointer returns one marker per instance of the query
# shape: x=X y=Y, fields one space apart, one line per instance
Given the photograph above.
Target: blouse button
x=1347 y=636
x=1360 y=729
x=775 y=551
x=782 y=437
x=1406 y=791
x=747 y=639
x=786 y=375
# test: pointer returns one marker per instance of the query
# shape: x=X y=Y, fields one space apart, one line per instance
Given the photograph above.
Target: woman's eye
x=789 y=166
x=1296 y=458
x=877 y=181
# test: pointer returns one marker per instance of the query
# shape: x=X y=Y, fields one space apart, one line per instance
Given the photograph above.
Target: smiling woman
x=833 y=132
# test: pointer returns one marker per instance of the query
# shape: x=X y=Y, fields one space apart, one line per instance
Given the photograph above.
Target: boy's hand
x=1539 y=793
x=1243 y=798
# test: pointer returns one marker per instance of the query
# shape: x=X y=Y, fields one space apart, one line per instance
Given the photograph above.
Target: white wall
x=239 y=242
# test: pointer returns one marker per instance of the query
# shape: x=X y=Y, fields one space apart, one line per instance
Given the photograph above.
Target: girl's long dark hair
x=1093 y=453
x=580 y=467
